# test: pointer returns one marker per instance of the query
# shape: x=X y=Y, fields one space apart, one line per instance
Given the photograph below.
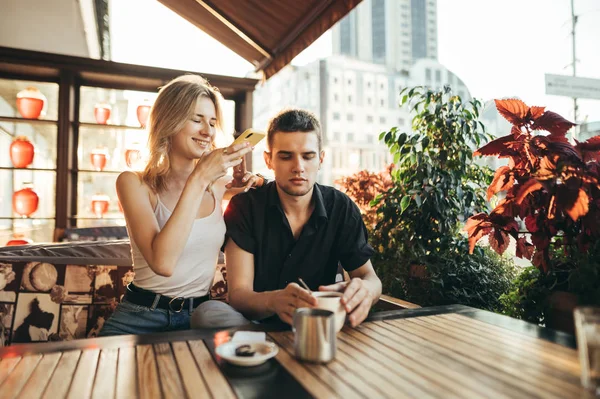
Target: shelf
x=22 y=218
x=93 y=218
x=114 y=172
x=99 y=126
x=27 y=169
x=30 y=121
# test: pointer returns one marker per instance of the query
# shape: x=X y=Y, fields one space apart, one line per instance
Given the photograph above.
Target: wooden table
x=439 y=352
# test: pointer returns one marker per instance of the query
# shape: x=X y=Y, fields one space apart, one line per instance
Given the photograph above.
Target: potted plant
x=550 y=189
x=422 y=200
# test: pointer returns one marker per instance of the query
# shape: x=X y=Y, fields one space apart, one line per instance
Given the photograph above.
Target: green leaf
x=404 y=203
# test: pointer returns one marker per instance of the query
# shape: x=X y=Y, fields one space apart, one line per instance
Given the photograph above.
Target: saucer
x=263 y=352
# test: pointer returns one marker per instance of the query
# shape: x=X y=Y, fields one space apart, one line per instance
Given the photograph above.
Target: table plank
x=438 y=363
x=83 y=380
x=7 y=365
x=513 y=342
x=218 y=385
x=63 y=374
x=41 y=376
x=441 y=382
x=417 y=385
x=148 y=382
x=193 y=382
x=394 y=382
x=172 y=386
x=495 y=361
x=106 y=375
x=549 y=349
x=538 y=368
x=480 y=371
x=311 y=383
x=126 y=373
x=18 y=377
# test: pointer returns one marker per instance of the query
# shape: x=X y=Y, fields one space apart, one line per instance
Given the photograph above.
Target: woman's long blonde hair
x=173 y=107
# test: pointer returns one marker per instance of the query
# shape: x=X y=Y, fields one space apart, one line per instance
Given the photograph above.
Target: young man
x=295 y=228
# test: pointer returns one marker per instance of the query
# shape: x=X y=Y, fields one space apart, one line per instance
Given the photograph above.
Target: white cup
x=331 y=301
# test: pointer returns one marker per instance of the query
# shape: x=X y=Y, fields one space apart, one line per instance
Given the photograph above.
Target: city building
x=395 y=33
x=354 y=100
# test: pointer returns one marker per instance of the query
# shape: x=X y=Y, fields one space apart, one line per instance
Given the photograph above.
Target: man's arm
x=360 y=293
x=259 y=305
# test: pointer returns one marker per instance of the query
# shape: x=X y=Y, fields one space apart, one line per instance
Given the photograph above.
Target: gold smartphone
x=252 y=136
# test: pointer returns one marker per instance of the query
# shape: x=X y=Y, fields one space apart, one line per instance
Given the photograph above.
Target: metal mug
x=314 y=334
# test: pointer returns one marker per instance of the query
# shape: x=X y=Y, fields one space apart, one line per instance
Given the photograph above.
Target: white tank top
x=195 y=270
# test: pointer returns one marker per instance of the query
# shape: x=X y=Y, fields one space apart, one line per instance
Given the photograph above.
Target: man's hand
x=357 y=298
x=286 y=301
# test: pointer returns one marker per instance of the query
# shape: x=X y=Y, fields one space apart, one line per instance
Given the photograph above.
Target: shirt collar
x=319 y=212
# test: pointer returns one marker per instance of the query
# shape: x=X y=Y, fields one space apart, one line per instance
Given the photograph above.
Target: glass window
x=336 y=116
x=369 y=118
x=350 y=117
x=350 y=137
x=382 y=119
x=427 y=74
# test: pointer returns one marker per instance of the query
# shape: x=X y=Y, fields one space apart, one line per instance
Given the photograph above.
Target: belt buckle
x=182 y=304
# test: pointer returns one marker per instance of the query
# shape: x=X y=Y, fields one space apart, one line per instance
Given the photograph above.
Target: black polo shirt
x=335 y=232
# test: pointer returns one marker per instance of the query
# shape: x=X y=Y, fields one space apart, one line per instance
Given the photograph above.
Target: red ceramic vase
x=98 y=159
x=100 y=205
x=30 y=103
x=131 y=157
x=102 y=113
x=25 y=202
x=21 y=152
x=142 y=114
x=19 y=241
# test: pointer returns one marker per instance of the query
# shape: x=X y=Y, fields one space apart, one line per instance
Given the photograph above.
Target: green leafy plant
x=436 y=182
x=434 y=186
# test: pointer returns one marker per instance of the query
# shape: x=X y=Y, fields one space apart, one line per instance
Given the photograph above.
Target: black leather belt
x=142 y=297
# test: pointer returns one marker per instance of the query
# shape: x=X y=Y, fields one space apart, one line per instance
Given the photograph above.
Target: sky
x=498 y=48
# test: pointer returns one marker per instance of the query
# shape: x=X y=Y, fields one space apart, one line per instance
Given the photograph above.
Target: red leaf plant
x=363 y=187
x=551 y=185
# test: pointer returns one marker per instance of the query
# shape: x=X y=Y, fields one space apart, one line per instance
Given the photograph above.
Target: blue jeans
x=130 y=318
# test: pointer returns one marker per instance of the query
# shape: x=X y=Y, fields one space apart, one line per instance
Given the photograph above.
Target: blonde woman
x=173 y=210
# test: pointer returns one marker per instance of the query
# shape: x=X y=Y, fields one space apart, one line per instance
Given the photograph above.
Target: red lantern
x=98 y=158
x=102 y=113
x=100 y=205
x=21 y=152
x=132 y=156
x=25 y=201
x=30 y=102
x=143 y=111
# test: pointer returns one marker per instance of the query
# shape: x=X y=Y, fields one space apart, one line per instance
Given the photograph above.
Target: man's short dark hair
x=294 y=120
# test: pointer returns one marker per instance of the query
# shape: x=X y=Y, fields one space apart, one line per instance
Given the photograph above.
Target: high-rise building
x=380 y=48
x=395 y=33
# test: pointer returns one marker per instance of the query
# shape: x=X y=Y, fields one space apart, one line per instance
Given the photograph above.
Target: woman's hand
x=247 y=181
x=214 y=164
